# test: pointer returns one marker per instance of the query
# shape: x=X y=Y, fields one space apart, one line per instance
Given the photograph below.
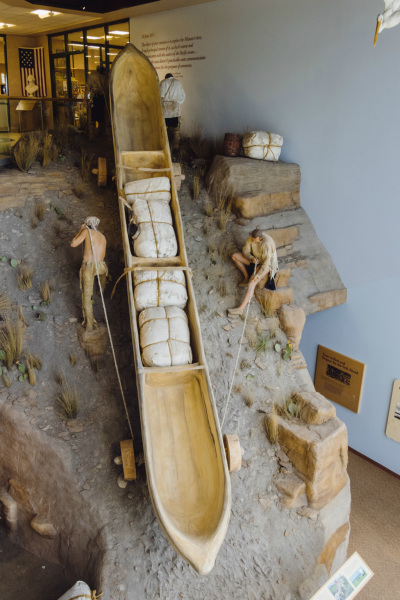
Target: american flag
x=31 y=62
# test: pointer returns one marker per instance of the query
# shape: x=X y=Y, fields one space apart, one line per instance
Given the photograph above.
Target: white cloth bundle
x=157 y=237
x=159 y=288
x=164 y=337
x=147 y=189
x=262 y=145
x=79 y=591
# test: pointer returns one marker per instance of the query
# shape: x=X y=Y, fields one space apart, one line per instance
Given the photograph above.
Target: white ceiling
x=19 y=13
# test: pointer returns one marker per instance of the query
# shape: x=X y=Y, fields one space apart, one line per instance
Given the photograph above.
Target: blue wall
x=307 y=69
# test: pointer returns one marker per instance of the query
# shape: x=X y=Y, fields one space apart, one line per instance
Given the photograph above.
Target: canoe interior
x=183 y=450
x=136 y=99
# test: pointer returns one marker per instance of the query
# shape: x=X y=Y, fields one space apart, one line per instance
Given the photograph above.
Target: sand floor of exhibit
x=64 y=471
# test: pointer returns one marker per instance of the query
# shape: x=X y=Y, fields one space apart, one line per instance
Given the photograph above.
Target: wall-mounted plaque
x=393 y=422
x=339 y=378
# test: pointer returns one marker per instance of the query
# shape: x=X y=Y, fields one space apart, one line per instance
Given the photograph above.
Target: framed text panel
x=339 y=378
x=393 y=422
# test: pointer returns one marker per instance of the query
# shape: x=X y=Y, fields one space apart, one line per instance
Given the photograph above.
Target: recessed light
x=119 y=32
x=112 y=53
x=95 y=47
x=91 y=37
x=43 y=14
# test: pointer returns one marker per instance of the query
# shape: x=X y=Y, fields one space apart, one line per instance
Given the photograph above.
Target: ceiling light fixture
x=91 y=37
x=119 y=32
x=43 y=14
x=6 y=25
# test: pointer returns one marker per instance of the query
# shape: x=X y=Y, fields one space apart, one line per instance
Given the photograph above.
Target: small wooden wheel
x=233 y=451
x=102 y=172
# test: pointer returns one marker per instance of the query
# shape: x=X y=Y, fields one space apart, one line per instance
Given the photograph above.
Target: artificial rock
x=319 y=453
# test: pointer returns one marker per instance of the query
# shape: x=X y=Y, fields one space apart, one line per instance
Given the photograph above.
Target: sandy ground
x=268 y=550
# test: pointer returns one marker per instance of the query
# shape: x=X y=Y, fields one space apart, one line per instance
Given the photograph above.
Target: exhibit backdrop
x=309 y=71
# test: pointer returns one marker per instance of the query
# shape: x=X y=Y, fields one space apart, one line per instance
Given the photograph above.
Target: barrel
x=232 y=144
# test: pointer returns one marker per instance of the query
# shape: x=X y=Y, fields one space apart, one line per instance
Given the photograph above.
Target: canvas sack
x=262 y=145
x=147 y=189
x=157 y=237
x=164 y=337
x=159 y=288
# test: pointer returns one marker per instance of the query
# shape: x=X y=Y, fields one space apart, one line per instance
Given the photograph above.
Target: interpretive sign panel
x=393 y=422
x=347 y=582
x=339 y=378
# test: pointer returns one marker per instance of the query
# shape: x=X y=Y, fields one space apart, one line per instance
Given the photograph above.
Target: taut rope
x=238 y=353
x=109 y=335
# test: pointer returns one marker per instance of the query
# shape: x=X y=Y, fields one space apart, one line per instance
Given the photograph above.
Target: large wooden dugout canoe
x=186 y=466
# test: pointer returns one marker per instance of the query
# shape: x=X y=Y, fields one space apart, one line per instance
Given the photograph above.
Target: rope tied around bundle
x=93 y=596
x=268 y=147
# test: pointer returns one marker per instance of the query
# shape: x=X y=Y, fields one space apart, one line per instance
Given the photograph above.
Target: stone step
x=258 y=187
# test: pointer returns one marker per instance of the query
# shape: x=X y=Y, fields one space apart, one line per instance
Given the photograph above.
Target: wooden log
x=258 y=187
x=233 y=452
x=128 y=460
x=102 y=172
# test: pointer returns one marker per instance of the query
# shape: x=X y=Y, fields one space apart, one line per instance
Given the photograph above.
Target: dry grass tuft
x=248 y=397
x=72 y=359
x=6 y=380
x=79 y=189
x=34 y=360
x=209 y=207
x=196 y=187
x=60 y=378
x=237 y=388
x=266 y=305
x=49 y=150
x=61 y=134
x=39 y=210
x=24 y=277
x=292 y=408
x=46 y=291
x=222 y=198
x=222 y=288
x=245 y=364
x=5 y=304
x=11 y=340
x=261 y=344
x=271 y=426
x=26 y=150
x=68 y=402
x=225 y=214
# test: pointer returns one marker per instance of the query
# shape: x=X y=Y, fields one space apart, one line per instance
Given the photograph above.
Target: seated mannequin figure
x=257 y=260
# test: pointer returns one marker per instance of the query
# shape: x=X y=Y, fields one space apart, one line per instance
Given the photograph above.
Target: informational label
x=347 y=582
x=393 y=422
x=173 y=54
x=339 y=378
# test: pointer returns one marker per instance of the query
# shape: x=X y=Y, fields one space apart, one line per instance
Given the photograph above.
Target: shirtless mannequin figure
x=87 y=272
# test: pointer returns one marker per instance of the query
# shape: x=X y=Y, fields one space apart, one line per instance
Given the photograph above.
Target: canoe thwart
x=128 y=460
x=233 y=451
